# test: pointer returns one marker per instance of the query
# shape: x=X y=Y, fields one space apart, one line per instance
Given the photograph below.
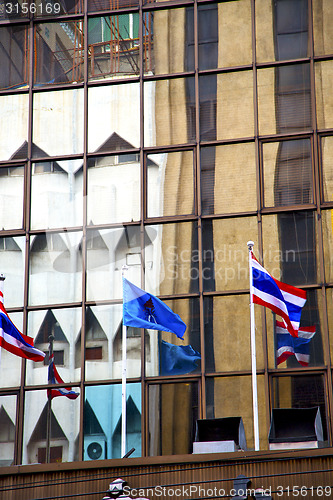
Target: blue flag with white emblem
x=177 y=359
x=143 y=310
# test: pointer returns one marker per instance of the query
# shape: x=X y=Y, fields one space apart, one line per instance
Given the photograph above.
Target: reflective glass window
x=12 y=251
x=170 y=184
x=102 y=421
x=288 y=177
x=284 y=351
x=55 y=8
x=284 y=99
x=322 y=22
x=329 y=302
x=324 y=98
x=113 y=117
x=63 y=419
x=113 y=188
x=304 y=391
x=14 y=112
x=166 y=354
x=227 y=335
x=14 y=40
x=98 y=5
x=55 y=268
x=7 y=429
x=10 y=366
x=114 y=46
x=169 y=404
x=65 y=326
x=56 y=194
x=171 y=261
x=327 y=225
x=225 y=253
x=290 y=247
x=220 y=167
x=169 y=110
x=232 y=397
x=327 y=168
x=58 y=53
x=226 y=106
x=62 y=112
x=11 y=195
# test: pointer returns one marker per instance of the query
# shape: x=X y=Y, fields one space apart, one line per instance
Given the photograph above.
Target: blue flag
x=143 y=310
x=177 y=359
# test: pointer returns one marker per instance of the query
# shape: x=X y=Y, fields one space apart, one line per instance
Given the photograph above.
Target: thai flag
x=54 y=378
x=286 y=345
x=285 y=300
x=13 y=340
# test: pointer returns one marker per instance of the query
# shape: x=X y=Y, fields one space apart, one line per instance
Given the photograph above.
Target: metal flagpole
x=2 y=279
x=49 y=407
x=250 y=245
x=123 y=380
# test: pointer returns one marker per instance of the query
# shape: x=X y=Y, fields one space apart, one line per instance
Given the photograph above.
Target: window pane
x=300 y=392
x=284 y=99
x=12 y=251
x=281 y=30
x=11 y=196
x=51 y=111
x=308 y=347
x=232 y=397
x=97 y=5
x=104 y=345
x=290 y=247
x=65 y=326
x=171 y=48
x=287 y=173
x=113 y=117
x=225 y=253
x=324 y=98
x=14 y=40
x=329 y=302
x=172 y=261
x=170 y=184
x=327 y=224
x=227 y=334
x=113 y=45
x=169 y=404
x=162 y=355
x=14 y=109
x=56 y=194
x=322 y=33
x=113 y=189
x=226 y=106
x=327 y=166
x=102 y=421
x=10 y=366
x=47 y=8
x=169 y=110
x=59 y=53
x=228 y=179
x=55 y=268
x=7 y=429
x=64 y=418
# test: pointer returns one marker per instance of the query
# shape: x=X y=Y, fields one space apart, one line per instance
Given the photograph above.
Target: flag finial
x=2 y=277
x=250 y=245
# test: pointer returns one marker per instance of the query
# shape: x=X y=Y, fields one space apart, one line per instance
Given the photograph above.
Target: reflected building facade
x=163 y=136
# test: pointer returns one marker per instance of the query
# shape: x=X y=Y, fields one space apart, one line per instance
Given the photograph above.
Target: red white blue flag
x=285 y=300
x=13 y=340
x=54 y=378
x=286 y=345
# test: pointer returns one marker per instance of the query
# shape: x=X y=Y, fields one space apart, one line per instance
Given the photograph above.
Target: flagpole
x=250 y=245
x=49 y=403
x=123 y=380
x=2 y=279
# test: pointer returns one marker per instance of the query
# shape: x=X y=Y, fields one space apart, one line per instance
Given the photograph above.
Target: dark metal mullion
x=84 y=231
x=317 y=199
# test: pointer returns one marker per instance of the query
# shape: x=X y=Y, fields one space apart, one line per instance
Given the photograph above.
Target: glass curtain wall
x=162 y=136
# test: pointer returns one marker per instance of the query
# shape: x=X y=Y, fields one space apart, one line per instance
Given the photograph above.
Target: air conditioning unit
x=95 y=447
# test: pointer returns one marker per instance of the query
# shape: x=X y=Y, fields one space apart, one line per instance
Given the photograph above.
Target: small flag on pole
x=177 y=359
x=143 y=310
x=286 y=345
x=285 y=300
x=13 y=340
x=54 y=378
